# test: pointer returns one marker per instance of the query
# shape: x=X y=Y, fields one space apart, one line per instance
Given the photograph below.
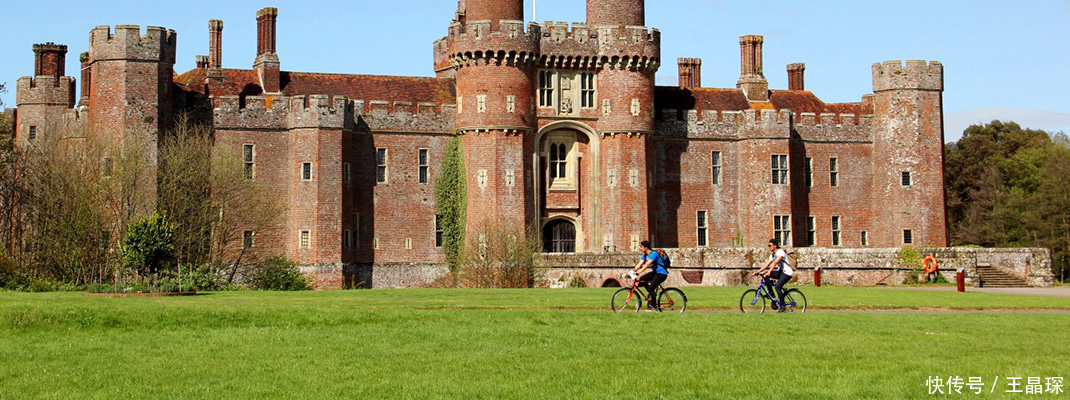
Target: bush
x=148 y=244
x=278 y=273
x=577 y=282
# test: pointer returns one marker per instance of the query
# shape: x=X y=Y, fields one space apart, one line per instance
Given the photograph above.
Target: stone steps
x=993 y=278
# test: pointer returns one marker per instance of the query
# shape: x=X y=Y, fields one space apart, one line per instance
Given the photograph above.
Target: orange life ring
x=929 y=264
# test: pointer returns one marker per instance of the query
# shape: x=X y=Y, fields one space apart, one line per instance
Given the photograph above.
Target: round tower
x=493 y=56
x=616 y=12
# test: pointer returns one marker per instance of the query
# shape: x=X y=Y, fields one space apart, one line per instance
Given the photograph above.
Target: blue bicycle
x=753 y=300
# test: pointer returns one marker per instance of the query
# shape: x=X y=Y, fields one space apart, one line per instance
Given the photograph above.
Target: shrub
x=148 y=244
x=500 y=257
x=278 y=273
x=577 y=282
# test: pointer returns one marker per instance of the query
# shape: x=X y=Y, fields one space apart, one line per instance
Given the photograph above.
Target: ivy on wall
x=451 y=200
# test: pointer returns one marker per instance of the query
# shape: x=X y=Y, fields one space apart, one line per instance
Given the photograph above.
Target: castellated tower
x=908 y=154
x=493 y=58
x=130 y=91
x=43 y=99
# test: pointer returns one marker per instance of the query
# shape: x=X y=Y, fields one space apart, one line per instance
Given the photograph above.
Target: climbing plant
x=451 y=200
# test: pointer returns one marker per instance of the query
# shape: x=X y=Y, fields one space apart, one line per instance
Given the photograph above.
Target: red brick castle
x=563 y=129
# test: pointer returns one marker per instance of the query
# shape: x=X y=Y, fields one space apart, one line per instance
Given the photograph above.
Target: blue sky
x=1002 y=59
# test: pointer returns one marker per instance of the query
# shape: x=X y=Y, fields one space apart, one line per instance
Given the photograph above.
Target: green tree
x=148 y=244
x=451 y=201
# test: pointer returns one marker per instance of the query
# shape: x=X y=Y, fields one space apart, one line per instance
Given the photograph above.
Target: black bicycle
x=753 y=300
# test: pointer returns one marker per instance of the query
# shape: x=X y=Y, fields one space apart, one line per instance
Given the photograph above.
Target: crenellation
x=45 y=90
x=914 y=74
x=128 y=43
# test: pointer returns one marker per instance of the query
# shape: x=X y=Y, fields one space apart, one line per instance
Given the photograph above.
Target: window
x=906 y=179
x=908 y=236
x=865 y=238
x=304 y=240
x=347 y=173
x=560 y=161
x=780 y=169
x=587 y=90
x=306 y=171
x=811 y=237
x=33 y=133
x=809 y=172
x=715 y=161
x=422 y=161
x=248 y=161
x=247 y=239
x=382 y=159
x=782 y=229
x=408 y=243
x=347 y=239
x=106 y=167
x=834 y=172
x=835 y=230
x=702 y=228
x=439 y=231
x=546 y=88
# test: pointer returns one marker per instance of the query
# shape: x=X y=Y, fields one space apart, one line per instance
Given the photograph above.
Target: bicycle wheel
x=795 y=300
x=623 y=300
x=751 y=302
x=672 y=300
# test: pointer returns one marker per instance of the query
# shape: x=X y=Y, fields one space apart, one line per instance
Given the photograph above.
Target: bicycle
x=753 y=300
x=669 y=299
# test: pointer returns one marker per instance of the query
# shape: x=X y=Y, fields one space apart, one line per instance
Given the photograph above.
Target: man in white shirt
x=779 y=269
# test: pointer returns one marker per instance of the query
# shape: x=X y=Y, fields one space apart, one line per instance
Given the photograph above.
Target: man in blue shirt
x=653 y=261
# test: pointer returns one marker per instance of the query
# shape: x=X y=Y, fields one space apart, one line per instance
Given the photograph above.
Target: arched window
x=559 y=236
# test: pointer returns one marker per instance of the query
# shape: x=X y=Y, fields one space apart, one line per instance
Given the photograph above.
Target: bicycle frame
x=648 y=297
x=768 y=290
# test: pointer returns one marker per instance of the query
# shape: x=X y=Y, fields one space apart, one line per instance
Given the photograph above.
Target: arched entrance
x=559 y=236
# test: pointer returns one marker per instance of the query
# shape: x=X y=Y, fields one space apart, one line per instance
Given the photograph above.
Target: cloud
x=1051 y=121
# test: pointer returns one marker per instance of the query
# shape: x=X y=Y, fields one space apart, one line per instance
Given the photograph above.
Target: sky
x=1002 y=60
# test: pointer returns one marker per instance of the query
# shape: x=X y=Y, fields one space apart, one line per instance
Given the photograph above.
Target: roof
x=798 y=101
x=364 y=87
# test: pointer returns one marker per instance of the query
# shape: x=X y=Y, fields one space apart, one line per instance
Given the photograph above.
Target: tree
x=148 y=244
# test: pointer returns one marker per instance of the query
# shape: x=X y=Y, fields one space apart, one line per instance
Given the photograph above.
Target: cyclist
x=653 y=261
x=778 y=269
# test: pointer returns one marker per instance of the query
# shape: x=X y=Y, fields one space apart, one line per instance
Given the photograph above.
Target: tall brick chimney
x=202 y=61
x=86 y=79
x=751 y=78
x=690 y=72
x=267 y=61
x=795 y=76
x=49 y=59
x=215 y=43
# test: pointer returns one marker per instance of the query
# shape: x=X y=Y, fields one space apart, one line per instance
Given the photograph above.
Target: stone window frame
x=382 y=165
x=248 y=161
x=347 y=239
x=423 y=157
x=808 y=171
x=908 y=236
x=557 y=162
x=588 y=90
x=306 y=171
x=834 y=171
x=906 y=178
x=439 y=231
x=779 y=169
x=782 y=229
x=32 y=134
x=837 y=230
x=248 y=239
x=547 y=88
x=864 y=238
x=702 y=224
x=347 y=174
x=811 y=230
x=716 y=167
x=304 y=239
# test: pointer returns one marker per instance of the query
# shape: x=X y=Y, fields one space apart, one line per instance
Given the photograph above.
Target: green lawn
x=526 y=344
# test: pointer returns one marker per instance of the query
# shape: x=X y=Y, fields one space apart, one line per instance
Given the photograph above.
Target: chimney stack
x=86 y=79
x=795 y=76
x=267 y=61
x=50 y=59
x=751 y=78
x=690 y=72
x=202 y=61
x=215 y=44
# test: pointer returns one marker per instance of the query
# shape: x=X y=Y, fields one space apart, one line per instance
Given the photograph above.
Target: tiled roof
x=364 y=87
x=670 y=97
x=800 y=101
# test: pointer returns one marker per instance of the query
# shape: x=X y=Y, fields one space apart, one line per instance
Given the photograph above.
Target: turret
x=616 y=12
x=751 y=77
x=908 y=154
x=490 y=10
x=42 y=99
x=267 y=61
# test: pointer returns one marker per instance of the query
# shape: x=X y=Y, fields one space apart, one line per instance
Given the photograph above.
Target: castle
x=563 y=129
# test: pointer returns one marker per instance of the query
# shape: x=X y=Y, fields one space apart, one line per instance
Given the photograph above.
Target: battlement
x=585 y=46
x=45 y=90
x=128 y=43
x=735 y=125
x=337 y=112
x=914 y=75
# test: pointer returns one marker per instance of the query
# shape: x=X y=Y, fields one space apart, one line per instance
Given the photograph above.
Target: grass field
x=561 y=343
